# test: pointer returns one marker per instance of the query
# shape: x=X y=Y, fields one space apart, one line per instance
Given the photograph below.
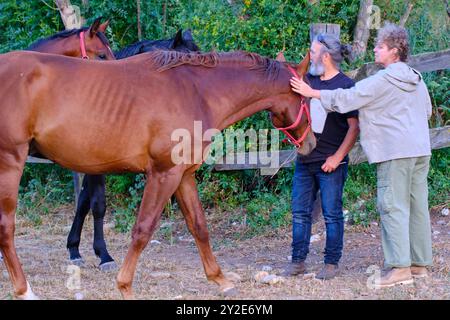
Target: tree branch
x=138 y=5
x=405 y=16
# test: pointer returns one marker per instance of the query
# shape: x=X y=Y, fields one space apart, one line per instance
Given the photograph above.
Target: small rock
x=441 y=222
x=289 y=258
x=233 y=276
x=160 y=275
x=375 y=224
x=309 y=276
x=178 y=297
x=155 y=242
x=260 y=275
x=373 y=236
x=445 y=212
x=166 y=224
x=267 y=268
x=436 y=233
x=272 y=279
x=314 y=238
x=187 y=239
x=79 y=296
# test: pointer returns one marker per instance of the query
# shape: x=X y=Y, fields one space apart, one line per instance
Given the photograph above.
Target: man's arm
x=333 y=161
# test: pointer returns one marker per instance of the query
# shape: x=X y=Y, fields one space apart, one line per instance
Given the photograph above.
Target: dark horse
x=124 y=122
x=93 y=192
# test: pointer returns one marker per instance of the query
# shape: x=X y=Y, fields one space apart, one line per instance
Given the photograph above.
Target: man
x=395 y=107
x=325 y=169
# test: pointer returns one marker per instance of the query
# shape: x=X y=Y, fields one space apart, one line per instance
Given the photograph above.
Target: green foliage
x=438 y=85
x=438 y=178
x=43 y=188
x=125 y=212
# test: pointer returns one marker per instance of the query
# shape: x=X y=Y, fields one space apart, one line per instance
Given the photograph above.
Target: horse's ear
x=302 y=67
x=280 y=57
x=187 y=35
x=178 y=39
x=93 y=29
x=103 y=26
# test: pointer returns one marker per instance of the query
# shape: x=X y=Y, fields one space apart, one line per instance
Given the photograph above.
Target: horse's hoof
x=28 y=295
x=108 y=266
x=78 y=262
x=229 y=292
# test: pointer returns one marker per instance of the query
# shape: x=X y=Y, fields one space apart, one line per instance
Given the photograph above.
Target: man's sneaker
x=419 y=272
x=394 y=277
x=329 y=271
x=294 y=269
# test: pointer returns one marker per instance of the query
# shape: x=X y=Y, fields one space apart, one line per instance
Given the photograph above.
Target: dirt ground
x=172 y=269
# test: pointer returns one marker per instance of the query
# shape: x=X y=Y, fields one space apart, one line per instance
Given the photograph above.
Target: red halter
x=303 y=107
x=83 y=46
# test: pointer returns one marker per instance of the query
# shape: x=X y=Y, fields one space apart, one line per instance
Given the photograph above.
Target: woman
x=394 y=108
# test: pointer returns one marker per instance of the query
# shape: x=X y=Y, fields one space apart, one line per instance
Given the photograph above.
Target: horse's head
x=89 y=41
x=183 y=42
x=291 y=113
x=96 y=43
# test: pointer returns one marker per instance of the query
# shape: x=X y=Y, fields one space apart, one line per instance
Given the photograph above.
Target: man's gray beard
x=316 y=69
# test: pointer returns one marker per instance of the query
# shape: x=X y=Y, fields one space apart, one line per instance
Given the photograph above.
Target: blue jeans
x=308 y=179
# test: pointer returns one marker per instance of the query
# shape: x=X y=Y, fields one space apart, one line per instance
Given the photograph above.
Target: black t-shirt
x=336 y=125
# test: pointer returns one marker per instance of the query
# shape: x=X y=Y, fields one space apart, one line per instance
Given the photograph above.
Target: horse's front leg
x=189 y=202
x=11 y=166
x=160 y=186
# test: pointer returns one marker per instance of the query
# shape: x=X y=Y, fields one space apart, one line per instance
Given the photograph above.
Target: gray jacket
x=394 y=108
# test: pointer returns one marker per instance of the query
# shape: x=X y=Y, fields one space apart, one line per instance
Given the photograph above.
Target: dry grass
x=43 y=255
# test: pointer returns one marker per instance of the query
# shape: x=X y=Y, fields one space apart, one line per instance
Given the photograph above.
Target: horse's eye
x=102 y=56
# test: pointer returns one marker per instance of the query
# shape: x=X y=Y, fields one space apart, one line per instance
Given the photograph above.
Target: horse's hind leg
x=188 y=200
x=11 y=166
x=97 y=192
x=160 y=186
x=73 y=240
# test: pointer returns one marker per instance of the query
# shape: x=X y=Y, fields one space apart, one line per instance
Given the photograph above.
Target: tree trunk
x=138 y=5
x=362 y=30
x=70 y=14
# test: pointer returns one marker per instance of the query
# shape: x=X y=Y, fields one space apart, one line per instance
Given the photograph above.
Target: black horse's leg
x=97 y=192
x=73 y=240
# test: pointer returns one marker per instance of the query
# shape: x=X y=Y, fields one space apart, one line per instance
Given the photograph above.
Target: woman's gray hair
x=333 y=46
x=394 y=36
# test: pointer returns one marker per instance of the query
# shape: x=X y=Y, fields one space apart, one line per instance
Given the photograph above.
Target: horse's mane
x=164 y=60
x=66 y=34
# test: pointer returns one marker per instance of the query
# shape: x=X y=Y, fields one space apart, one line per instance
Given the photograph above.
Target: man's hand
x=331 y=164
x=299 y=86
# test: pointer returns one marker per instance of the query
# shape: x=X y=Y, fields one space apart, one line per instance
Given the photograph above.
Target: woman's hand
x=299 y=86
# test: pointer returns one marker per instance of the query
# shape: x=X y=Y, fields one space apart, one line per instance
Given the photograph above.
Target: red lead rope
x=83 y=46
x=303 y=107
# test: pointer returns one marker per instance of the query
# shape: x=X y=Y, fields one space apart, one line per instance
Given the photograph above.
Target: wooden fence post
x=324 y=28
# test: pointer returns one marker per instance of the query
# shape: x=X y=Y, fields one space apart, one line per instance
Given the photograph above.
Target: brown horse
x=120 y=116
